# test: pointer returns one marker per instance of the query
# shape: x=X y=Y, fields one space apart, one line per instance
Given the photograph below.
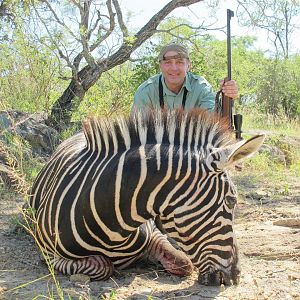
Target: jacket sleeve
x=206 y=96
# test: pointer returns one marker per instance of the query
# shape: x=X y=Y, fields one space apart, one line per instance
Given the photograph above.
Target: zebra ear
x=233 y=154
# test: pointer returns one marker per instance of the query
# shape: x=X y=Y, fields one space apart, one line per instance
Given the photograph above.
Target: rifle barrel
x=230 y=14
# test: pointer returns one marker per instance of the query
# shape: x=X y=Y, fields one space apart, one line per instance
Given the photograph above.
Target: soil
x=268 y=231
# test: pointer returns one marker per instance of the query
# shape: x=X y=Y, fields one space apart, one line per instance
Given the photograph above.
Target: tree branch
x=84 y=32
x=120 y=18
x=191 y=27
x=112 y=24
x=57 y=19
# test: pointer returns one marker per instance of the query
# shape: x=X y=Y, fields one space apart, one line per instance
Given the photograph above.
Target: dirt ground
x=270 y=257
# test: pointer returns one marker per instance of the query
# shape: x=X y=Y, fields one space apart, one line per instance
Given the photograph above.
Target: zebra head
x=204 y=223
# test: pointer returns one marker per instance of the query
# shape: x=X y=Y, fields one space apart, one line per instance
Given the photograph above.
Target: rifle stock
x=227 y=105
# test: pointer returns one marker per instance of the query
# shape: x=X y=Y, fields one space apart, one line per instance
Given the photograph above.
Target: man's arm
x=141 y=98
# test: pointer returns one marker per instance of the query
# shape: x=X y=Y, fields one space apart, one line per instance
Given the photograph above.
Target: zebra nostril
x=204 y=279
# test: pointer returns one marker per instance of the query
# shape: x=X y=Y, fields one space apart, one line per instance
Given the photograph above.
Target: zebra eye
x=230 y=201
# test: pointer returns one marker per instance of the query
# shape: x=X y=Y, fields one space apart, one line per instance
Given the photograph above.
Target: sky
x=143 y=10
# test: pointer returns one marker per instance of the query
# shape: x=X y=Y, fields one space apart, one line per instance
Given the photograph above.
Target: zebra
x=128 y=188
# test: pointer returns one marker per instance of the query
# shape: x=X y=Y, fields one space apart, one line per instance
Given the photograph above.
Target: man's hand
x=230 y=89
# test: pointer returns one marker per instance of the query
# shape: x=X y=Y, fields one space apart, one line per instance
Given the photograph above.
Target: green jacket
x=199 y=94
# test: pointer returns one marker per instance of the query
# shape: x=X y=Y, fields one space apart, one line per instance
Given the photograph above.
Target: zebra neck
x=166 y=174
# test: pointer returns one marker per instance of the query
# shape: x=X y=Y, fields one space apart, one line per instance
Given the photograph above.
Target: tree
x=278 y=18
x=277 y=96
x=91 y=37
x=29 y=75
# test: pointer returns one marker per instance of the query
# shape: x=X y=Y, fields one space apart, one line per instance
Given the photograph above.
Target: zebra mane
x=196 y=128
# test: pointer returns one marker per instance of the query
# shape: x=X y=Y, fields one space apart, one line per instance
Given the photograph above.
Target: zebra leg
x=174 y=261
x=97 y=267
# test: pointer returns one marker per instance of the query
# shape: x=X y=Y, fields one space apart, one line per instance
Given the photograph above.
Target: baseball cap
x=180 y=49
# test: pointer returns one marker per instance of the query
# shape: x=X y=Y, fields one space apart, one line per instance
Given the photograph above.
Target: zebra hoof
x=216 y=278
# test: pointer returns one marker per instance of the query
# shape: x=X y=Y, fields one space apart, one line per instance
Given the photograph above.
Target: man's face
x=174 y=68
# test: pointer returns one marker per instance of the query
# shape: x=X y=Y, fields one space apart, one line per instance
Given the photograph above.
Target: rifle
x=224 y=104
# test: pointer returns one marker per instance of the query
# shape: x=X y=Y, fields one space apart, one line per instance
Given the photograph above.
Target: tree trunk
x=69 y=101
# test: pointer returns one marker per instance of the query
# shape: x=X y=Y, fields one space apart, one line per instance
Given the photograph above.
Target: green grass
x=283 y=136
x=253 y=120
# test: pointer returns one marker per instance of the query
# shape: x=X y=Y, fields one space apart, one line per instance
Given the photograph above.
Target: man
x=176 y=86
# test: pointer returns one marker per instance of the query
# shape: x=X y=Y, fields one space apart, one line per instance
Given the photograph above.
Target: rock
x=275 y=153
x=259 y=195
x=32 y=128
x=289 y=222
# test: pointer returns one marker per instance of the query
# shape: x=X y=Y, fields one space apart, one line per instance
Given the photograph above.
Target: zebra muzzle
x=216 y=278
